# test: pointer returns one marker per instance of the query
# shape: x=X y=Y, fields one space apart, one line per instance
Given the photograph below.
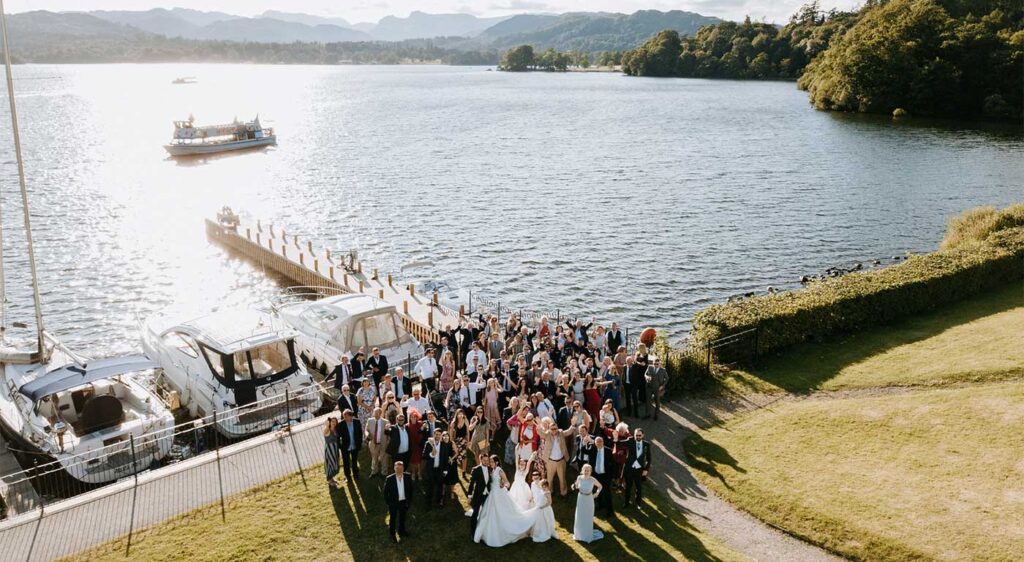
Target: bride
x=501 y=521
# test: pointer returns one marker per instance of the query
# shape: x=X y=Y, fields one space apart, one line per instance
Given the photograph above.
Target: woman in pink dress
x=447 y=372
x=491 y=411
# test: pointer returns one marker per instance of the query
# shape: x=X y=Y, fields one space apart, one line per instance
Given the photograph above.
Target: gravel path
x=703 y=508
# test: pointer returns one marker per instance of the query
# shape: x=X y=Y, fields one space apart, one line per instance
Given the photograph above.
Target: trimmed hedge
x=862 y=300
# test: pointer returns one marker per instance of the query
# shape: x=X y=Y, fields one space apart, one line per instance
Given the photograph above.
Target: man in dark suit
x=350 y=432
x=377 y=365
x=342 y=373
x=430 y=425
x=398 y=490
x=584 y=448
x=638 y=464
x=613 y=341
x=479 y=488
x=398 y=440
x=436 y=456
x=601 y=461
x=358 y=366
x=347 y=400
x=403 y=385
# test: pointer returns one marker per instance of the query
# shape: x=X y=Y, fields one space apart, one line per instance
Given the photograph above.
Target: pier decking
x=303 y=264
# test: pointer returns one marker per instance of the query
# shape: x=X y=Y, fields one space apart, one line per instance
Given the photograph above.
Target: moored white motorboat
x=339 y=325
x=87 y=415
x=233 y=364
x=192 y=140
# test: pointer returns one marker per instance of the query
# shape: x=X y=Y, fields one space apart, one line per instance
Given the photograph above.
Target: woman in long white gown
x=544 y=516
x=588 y=486
x=520 y=490
x=501 y=521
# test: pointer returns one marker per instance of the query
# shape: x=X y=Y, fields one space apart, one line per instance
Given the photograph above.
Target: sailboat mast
x=21 y=183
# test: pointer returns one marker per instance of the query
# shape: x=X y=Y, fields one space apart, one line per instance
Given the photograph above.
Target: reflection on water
x=640 y=200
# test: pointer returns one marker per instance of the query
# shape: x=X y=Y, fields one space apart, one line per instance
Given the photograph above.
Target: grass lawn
x=285 y=521
x=973 y=341
x=929 y=474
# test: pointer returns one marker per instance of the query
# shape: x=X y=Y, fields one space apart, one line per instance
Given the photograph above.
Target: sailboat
x=90 y=419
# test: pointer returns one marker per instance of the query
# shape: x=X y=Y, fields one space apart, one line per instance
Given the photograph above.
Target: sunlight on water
x=630 y=199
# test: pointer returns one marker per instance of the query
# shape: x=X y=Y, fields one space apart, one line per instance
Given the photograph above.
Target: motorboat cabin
x=235 y=365
x=86 y=415
x=339 y=325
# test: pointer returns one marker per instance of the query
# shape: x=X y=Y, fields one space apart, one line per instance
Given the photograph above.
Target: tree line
x=523 y=58
x=958 y=58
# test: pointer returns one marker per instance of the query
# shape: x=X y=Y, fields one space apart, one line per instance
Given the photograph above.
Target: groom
x=479 y=487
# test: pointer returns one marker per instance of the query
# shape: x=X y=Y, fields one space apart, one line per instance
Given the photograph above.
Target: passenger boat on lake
x=190 y=139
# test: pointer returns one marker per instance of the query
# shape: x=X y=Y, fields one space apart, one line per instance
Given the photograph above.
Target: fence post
x=471 y=302
x=220 y=477
x=291 y=436
x=757 y=333
x=135 y=493
x=707 y=364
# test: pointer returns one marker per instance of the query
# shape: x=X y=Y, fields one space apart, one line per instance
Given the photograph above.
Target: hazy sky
x=372 y=10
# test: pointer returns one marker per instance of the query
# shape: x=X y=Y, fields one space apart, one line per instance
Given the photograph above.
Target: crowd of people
x=550 y=402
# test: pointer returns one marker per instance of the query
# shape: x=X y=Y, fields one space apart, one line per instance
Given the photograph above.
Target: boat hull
x=199 y=149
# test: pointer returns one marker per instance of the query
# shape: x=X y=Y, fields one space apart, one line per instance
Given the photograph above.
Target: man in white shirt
x=417 y=401
x=476 y=361
x=398 y=493
x=555 y=452
x=427 y=369
x=377 y=442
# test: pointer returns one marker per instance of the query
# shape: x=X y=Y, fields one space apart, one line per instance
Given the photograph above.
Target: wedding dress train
x=501 y=522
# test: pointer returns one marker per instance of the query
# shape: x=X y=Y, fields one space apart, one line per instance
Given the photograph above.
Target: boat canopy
x=72 y=376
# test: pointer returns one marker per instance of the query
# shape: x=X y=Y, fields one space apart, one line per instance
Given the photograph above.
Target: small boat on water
x=190 y=139
x=184 y=80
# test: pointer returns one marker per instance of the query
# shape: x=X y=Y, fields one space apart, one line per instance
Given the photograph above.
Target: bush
x=687 y=366
x=983 y=250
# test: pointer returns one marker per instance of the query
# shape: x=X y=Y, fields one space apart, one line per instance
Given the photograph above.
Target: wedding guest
x=351 y=440
x=476 y=359
x=638 y=374
x=431 y=425
x=447 y=368
x=491 y=412
x=609 y=417
x=614 y=340
x=415 y=444
x=398 y=441
x=638 y=463
x=437 y=454
x=365 y=398
x=460 y=437
x=377 y=442
x=346 y=400
x=390 y=407
x=479 y=433
x=544 y=525
x=359 y=367
x=600 y=459
x=427 y=369
x=342 y=373
x=529 y=436
x=451 y=478
x=555 y=452
x=403 y=385
x=512 y=418
x=416 y=401
x=583 y=525
x=377 y=365
x=331 y=450
x=657 y=377
x=398 y=490
x=583 y=448
x=620 y=437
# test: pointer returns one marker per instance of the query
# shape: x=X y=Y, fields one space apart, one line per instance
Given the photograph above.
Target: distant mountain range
x=588 y=31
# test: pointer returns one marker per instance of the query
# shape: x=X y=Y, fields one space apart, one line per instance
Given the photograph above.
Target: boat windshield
x=382 y=330
x=255 y=366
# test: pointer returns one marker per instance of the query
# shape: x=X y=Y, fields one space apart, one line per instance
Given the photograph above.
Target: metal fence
x=48 y=482
x=173 y=496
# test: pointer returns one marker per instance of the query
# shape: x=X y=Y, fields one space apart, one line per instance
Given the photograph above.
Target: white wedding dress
x=520 y=491
x=501 y=522
x=543 y=516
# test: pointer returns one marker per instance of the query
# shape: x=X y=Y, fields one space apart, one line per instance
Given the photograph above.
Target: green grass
x=285 y=521
x=930 y=474
x=973 y=341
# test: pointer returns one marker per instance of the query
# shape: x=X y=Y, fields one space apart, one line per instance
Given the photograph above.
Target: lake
x=630 y=199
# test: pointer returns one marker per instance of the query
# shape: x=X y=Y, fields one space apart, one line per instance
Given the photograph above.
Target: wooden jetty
x=302 y=263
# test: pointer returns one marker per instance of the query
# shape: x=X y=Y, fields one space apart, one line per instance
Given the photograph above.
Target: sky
x=354 y=11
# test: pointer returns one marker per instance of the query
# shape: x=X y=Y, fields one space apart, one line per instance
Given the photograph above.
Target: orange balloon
x=647 y=336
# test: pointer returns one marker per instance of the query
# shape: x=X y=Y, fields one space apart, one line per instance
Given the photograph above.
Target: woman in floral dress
x=447 y=365
x=366 y=396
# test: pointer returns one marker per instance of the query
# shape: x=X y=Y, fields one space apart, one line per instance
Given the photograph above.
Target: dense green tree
x=518 y=59
x=659 y=56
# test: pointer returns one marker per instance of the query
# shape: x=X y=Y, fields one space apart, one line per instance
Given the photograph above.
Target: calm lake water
x=638 y=200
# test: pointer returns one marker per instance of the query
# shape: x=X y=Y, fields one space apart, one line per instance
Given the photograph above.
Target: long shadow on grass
x=666 y=523
x=805 y=367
